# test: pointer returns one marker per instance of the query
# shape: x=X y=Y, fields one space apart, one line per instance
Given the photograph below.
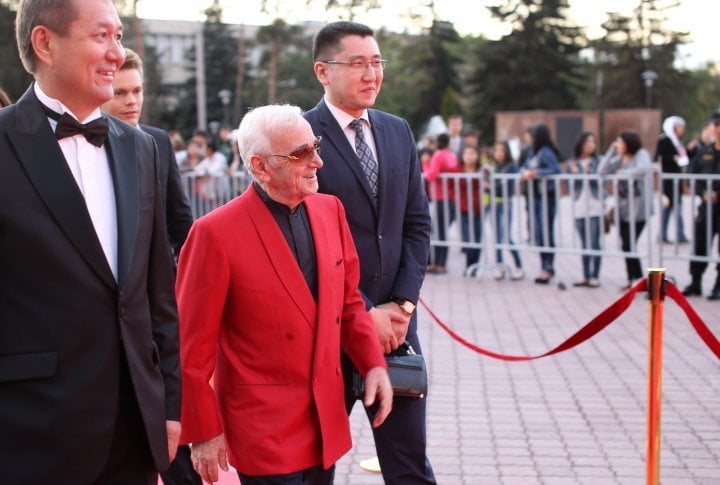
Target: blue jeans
x=472 y=255
x=589 y=230
x=679 y=224
x=546 y=259
x=500 y=209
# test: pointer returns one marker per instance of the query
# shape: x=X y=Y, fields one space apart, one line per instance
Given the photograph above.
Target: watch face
x=408 y=307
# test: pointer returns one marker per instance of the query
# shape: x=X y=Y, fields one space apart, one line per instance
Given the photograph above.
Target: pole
x=201 y=96
x=656 y=295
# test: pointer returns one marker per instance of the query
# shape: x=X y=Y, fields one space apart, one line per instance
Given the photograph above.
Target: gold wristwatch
x=406 y=306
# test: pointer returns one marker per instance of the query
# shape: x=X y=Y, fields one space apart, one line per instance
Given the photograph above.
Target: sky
x=697 y=17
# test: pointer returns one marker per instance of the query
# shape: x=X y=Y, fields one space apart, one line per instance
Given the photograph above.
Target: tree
x=637 y=44
x=536 y=66
x=220 y=71
x=422 y=78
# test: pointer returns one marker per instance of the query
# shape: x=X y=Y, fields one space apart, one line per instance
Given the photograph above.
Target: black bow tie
x=94 y=132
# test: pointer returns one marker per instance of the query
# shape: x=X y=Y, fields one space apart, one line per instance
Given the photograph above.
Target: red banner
x=608 y=316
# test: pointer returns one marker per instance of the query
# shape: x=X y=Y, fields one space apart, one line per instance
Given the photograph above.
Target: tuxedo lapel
x=123 y=159
x=45 y=165
x=336 y=136
x=280 y=256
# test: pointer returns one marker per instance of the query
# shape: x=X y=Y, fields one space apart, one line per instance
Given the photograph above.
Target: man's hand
x=391 y=325
x=173 y=434
x=378 y=388
x=207 y=455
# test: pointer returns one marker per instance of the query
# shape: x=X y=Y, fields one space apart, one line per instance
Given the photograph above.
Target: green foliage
x=422 y=76
x=536 y=66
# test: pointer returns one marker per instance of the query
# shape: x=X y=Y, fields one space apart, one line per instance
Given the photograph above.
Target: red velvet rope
x=608 y=316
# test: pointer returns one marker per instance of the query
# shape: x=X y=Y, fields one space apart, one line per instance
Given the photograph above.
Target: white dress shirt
x=344 y=121
x=91 y=170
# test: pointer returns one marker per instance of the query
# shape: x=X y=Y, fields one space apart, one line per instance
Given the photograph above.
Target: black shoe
x=714 y=294
x=692 y=290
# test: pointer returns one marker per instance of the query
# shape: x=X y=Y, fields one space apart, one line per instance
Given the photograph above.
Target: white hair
x=260 y=125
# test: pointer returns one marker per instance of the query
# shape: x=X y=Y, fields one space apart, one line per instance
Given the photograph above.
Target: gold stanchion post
x=656 y=295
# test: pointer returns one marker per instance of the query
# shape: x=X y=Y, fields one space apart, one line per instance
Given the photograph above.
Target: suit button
x=376 y=277
x=380 y=235
x=337 y=320
x=290 y=336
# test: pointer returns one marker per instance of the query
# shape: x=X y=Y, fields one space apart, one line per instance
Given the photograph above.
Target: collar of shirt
x=57 y=106
x=274 y=205
x=344 y=121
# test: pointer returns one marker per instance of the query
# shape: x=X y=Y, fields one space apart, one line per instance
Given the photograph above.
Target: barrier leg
x=656 y=295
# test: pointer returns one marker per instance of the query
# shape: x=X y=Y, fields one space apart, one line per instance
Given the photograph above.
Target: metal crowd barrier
x=493 y=200
x=208 y=192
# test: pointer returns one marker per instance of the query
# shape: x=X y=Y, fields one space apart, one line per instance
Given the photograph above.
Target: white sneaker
x=517 y=274
x=500 y=273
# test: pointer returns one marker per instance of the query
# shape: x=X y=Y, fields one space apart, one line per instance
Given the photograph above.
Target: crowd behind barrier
x=501 y=200
x=497 y=214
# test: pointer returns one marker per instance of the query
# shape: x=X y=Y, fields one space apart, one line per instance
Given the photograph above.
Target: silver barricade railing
x=688 y=195
x=524 y=219
x=208 y=192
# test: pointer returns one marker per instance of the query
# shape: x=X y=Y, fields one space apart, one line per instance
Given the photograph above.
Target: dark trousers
x=310 y=476
x=544 y=209
x=400 y=442
x=130 y=461
x=441 y=252
x=632 y=265
x=471 y=234
x=181 y=471
x=697 y=268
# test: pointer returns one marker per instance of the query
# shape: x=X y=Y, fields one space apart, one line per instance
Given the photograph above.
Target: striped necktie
x=365 y=155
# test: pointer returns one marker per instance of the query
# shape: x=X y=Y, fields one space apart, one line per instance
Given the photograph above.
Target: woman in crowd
x=671 y=154
x=543 y=161
x=588 y=205
x=504 y=191
x=470 y=208
x=628 y=158
x=442 y=161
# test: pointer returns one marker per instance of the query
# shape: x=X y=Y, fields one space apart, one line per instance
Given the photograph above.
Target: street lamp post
x=649 y=77
x=225 y=95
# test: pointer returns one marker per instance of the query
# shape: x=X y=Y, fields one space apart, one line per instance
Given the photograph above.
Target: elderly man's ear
x=260 y=167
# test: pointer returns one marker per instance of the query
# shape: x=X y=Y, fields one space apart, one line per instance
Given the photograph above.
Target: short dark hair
x=632 y=141
x=56 y=15
x=327 y=40
x=443 y=141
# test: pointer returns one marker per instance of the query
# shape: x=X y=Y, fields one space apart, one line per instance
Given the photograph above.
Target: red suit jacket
x=248 y=316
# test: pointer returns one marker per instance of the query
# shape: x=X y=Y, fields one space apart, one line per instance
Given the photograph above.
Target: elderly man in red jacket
x=267 y=293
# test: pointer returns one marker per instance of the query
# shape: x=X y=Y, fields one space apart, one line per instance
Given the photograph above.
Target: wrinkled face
x=127 y=100
x=291 y=181
x=351 y=89
x=79 y=68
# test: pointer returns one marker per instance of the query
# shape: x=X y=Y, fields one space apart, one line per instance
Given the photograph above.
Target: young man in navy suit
x=89 y=366
x=371 y=165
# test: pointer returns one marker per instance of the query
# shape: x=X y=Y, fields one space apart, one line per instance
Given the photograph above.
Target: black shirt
x=295 y=226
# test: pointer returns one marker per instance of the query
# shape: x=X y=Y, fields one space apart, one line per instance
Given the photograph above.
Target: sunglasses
x=305 y=154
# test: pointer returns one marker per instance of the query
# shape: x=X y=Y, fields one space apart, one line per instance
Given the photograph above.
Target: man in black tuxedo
x=89 y=368
x=126 y=104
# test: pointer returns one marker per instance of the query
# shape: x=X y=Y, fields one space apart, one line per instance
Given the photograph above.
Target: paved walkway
x=574 y=418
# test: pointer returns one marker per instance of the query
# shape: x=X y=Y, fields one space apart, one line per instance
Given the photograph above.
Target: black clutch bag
x=408 y=374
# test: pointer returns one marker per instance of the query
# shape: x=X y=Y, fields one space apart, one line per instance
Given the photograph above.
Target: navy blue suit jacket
x=393 y=241
x=178 y=215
